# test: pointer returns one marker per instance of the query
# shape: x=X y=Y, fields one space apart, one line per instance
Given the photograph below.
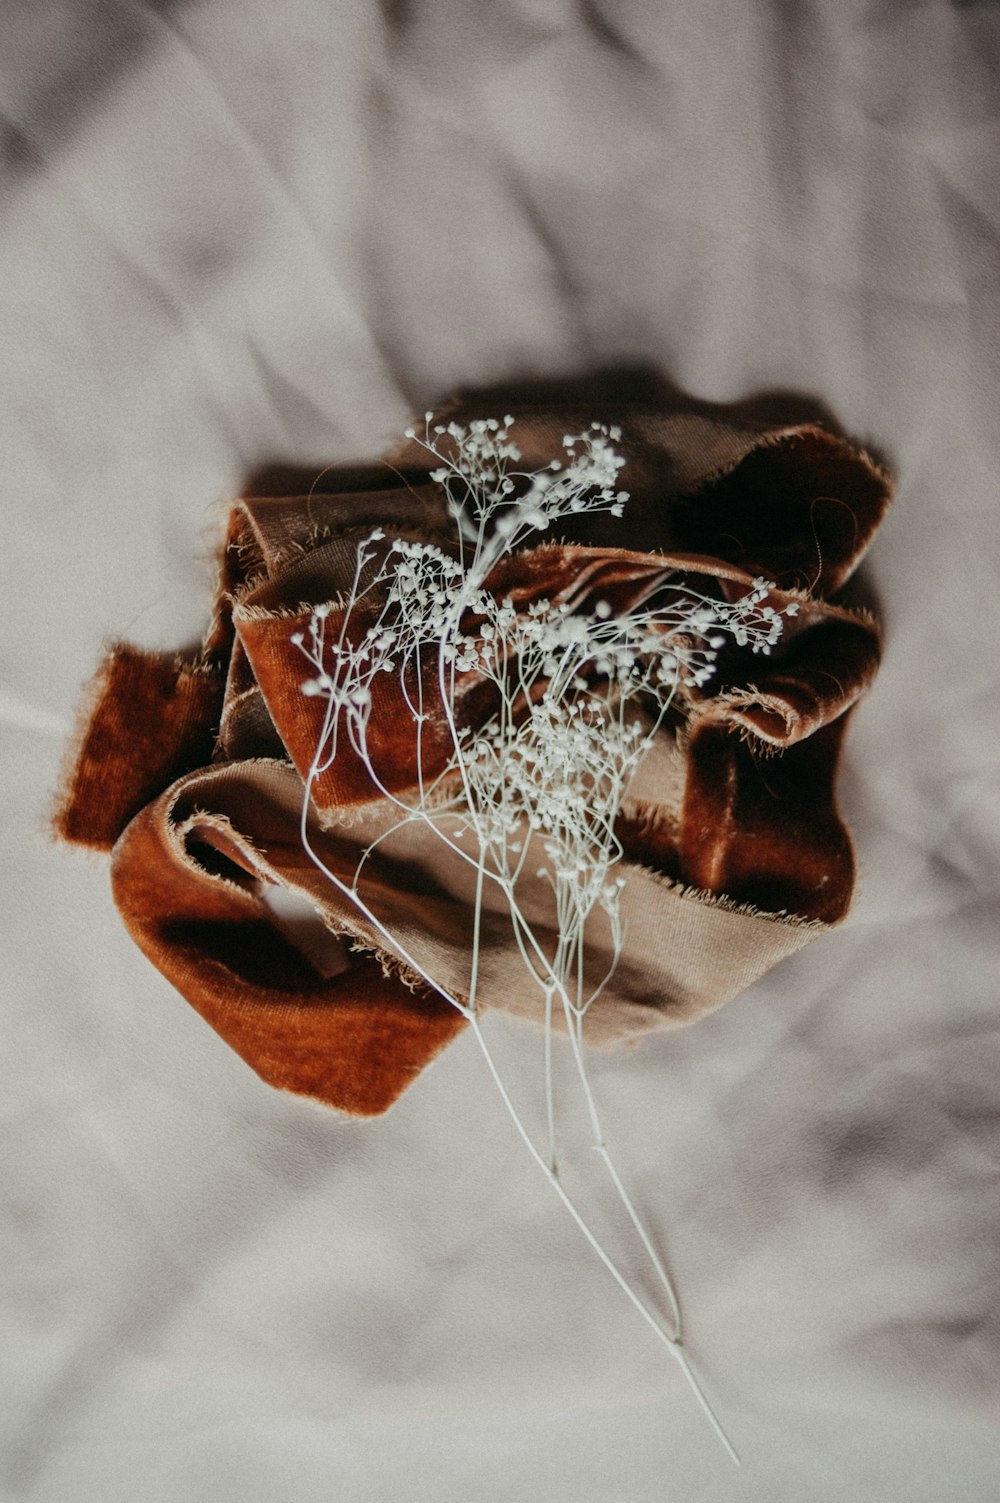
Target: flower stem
x=673 y=1344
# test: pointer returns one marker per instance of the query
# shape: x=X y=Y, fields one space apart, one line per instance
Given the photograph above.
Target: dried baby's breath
x=534 y=793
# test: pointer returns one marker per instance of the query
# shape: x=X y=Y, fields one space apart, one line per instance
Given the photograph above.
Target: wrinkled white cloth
x=235 y=234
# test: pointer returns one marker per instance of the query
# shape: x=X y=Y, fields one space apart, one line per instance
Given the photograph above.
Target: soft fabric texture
x=733 y=852
x=238 y=239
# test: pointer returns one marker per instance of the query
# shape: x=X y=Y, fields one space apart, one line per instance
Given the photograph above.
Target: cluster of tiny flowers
x=754 y=624
x=582 y=691
x=495 y=505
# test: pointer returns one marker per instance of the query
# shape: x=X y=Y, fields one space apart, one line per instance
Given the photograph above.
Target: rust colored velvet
x=152 y=718
x=180 y=881
x=734 y=851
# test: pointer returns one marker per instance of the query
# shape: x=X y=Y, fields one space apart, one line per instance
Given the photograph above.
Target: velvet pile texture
x=190 y=772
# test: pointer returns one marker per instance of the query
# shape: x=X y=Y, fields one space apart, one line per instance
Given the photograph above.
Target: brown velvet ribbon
x=191 y=773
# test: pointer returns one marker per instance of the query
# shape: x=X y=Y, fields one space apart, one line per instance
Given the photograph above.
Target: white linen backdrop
x=240 y=232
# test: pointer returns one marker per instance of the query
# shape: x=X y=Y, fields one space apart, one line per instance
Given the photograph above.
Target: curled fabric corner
x=191 y=774
x=186 y=878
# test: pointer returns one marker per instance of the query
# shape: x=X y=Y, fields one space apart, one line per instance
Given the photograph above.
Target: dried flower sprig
x=531 y=795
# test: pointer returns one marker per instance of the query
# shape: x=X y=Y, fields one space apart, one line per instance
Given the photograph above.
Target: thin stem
x=477 y=919
x=550 y=1115
x=354 y=896
x=574 y=1027
x=674 y=1346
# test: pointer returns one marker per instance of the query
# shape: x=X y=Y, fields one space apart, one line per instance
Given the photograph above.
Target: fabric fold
x=188 y=876
x=733 y=850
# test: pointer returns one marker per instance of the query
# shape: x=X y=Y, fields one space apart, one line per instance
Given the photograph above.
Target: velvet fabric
x=191 y=773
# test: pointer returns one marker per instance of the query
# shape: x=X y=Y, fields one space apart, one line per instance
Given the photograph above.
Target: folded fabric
x=192 y=773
